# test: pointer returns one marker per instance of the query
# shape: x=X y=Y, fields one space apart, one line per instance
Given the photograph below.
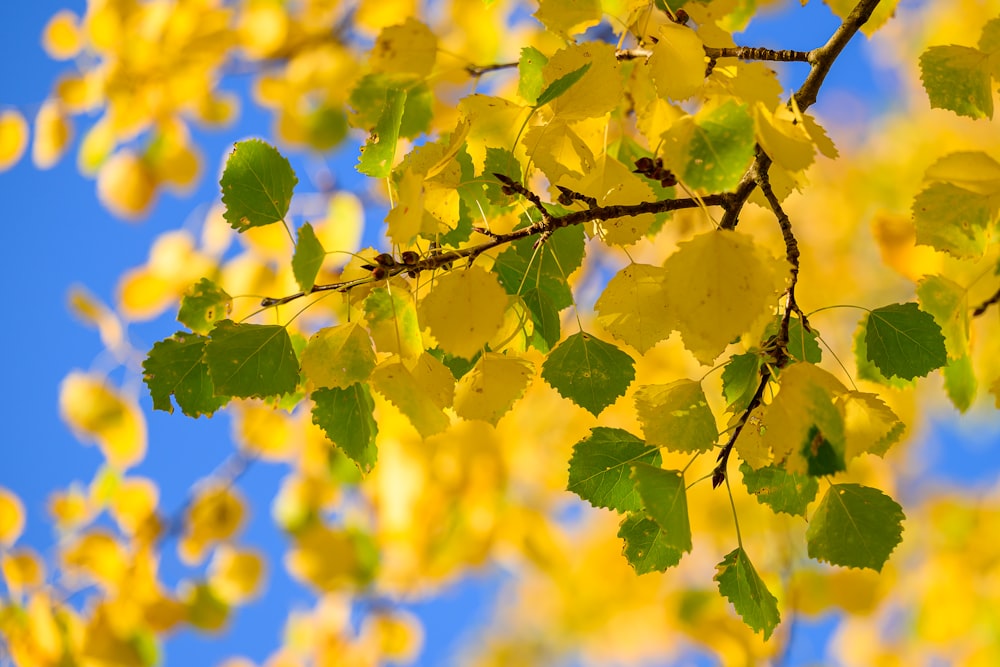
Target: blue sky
x=56 y=235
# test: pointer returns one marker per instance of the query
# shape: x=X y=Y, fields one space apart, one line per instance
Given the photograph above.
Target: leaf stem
x=736 y=519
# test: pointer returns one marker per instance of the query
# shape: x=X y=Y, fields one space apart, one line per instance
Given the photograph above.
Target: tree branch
x=981 y=308
x=822 y=60
x=719 y=473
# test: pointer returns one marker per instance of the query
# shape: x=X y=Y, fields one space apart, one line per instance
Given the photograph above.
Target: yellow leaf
x=407 y=218
x=489 y=390
x=870 y=425
x=97 y=556
x=634 y=308
x=13 y=138
x=784 y=137
x=677 y=65
x=392 y=321
x=11 y=517
x=409 y=48
x=88 y=308
x=597 y=92
x=419 y=400
x=97 y=145
x=558 y=151
x=70 y=509
x=53 y=133
x=718 y=285
x=205 y=609
x=568 y=17
x=344 y=224
x=897 y=244
x=215 y=515
x=398 y=635
x=22 y=570
x=610 y=182
x=236 y=574
x=262 y=28
x=493 y=121
x=133 y=504
x=974 y=170
x=43 y=629
x=265 y=432
x=338 y=356
x=62 y=38
x=96 y=411
x=464 y=309
x=325 y=558
x=126 y=185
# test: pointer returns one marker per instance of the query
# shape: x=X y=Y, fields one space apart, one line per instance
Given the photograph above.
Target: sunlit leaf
x=600 y=468
x=98 y=412
x=421 y=395
x=633 y=306
x=531 y=80
x=379 y=151
x=779 y=489
x=13 y=138
x=489 y=390
x=339 y=356
x=11 y=517
x=236 y=575
x=855 y=526
x=392 y=321
x=176 y=367
x=464 y=310
x=904 y=341
x=677 y=65
x=957 y=78
x=647 y=548
x=676 y=416
x=568 y=17
x=204 y=304
x=307 y=258
x=408 y=48
x=547 y=268
x=664 y=498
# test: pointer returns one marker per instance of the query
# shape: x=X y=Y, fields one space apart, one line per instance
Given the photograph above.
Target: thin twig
x=719 y=474
x=981 y=308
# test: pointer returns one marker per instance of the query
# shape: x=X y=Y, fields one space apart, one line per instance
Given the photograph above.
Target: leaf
x=257 y=185
x=530 y=80
x=972 y=171
x=960 y=382
x=408 y=48
x=948 y=303
x=633 y=306
x=610 y=182
x=379 y=151
x=870 y=426
x=251 y=360
x=952 y=219
x=677 y=65
x=500 y=161
x=664 y=497
x=718 y=284
x=741 y=585
x=711 y=150
x=464 y=310
x=11 y=517
x=855 y=526
x=176 y=367
x=520 y=267
x=347 y=418
x=568 y=17
x=588 y=371
x=392 y=321
x=601 y=464
x=338 y=356
x=204 y=304
x=421 y=395
x=492 y=387
x=544 y=315
x=558 y=150
x=779 y=489
x=561 y=85
x=903 y=341
x=676 y=416
x=740 y=378
x=646 y=547
x=784 y=137
x=957 y=78
x=599 y=89
x=13 y=138
x=882 y=13
x=307 y=258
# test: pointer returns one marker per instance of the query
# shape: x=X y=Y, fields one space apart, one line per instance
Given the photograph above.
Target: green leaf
x=779 y=489
x=520 y=267
x=380 y=149
x=903 y=341
x=740 y=378
x=251 y=360
x=257 y=185
x=204 y=304
x=952 y=219
x=347 y=418
x=741 y=585
x=529 y=69
x=500 y=161
x=559 y=87
x=869 y=371
x=175 y=366
x=665 y=498
x=711 y=150
x=948 y=303
x=600 y=465
x=957 y=78
x=307 y=258
x=544 y=315
x=960 y=382
x=588 y=371
x=855 y=526
x=371 y=95
x=647 y=548
x=802 y=345
x=676 y=416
